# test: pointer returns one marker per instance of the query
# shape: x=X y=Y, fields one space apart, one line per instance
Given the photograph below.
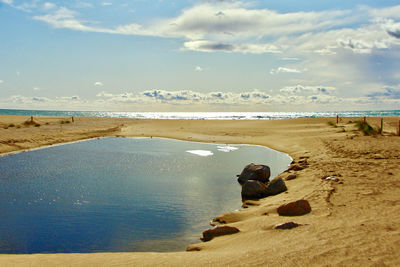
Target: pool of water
x=120 y=194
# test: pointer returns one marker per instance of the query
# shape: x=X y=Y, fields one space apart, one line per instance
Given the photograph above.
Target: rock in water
x=218 y=231
x=255 y=172
x=276 y=186
x=253 y=190
x=296 y=208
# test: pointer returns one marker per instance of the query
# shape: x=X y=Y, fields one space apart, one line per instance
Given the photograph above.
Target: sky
x=200 y=55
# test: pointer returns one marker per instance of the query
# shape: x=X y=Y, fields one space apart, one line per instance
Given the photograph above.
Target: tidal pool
x=120 y=194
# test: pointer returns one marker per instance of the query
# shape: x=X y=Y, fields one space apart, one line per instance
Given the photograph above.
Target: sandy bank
x=355 y=222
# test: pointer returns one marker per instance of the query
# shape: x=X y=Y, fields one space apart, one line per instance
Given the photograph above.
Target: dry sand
x=353 y=222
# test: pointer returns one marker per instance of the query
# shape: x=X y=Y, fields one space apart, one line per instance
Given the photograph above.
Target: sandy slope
x=354 y=222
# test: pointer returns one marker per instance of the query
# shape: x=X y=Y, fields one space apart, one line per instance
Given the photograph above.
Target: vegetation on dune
x=331 y=123
x=365 y=128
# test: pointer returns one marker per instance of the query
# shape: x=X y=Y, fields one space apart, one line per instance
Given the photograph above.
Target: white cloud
x=289 y=98
x=187 y=97
x=290 y=58
x=36 y=89
x=9 y=2
x=387 y=92
x=238 y=22
x=48 y=5
x=386 y=12
x=106 y=4
x=98 y=84
x=392 y=28
x=230 y=26
x=201 y=22
x=211 y=46
x=198 y=68
x=65 y=18
x=34 y=100
x=285 y=70
x=1 y=81
x=307 y=90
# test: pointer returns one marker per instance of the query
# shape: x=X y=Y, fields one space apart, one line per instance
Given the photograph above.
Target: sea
x=202 y=115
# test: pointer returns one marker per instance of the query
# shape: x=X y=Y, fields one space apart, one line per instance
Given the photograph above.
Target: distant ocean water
x=202 y=115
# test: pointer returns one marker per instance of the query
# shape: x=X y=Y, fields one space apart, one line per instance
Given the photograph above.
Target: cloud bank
x=289 y=99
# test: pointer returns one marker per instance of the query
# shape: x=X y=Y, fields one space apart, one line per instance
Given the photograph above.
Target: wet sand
x=354 y=221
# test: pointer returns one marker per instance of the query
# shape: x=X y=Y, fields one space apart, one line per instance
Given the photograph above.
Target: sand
x=355 y=221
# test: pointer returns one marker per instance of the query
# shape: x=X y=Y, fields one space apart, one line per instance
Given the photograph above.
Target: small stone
x=287 y=225
x=332 y=178
x=296 y=168
x=218 y=231
x=193 y=248
x=291 y=177
x=296 y=208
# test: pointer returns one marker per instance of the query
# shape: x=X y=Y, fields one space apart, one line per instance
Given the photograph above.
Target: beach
x=355 y=220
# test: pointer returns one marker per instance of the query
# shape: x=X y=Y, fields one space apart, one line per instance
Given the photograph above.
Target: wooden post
x=31 y=118
x=365 y=119
x=337 y=119
x=72 y=118
x=381 y=125
x=399 y=128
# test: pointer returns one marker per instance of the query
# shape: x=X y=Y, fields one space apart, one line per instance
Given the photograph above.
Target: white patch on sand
x=227 y=148
x=203 y=153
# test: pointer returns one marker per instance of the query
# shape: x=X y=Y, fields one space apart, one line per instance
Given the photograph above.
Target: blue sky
x=200 y=55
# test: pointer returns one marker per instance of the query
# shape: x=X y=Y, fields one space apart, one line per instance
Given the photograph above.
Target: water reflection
x=120 y=194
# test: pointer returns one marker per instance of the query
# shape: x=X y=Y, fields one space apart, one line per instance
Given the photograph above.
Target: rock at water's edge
x=276 y=186
x=253 y=190
x=255 y=172
x=218 y=231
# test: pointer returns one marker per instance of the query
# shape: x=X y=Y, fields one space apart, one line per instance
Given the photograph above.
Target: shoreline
x=328 y=238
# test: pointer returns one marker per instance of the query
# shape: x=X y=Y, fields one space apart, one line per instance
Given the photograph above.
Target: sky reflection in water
x=120 y=194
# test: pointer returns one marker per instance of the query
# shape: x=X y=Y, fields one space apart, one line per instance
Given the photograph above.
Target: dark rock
x=295 y=168
x=255 y=172
x=303 y=162
x=276 y=186
x=218 y=231
x=253 y=190
x=296 y=208
x=291 y=177
x=218 y=220
x=287 y=225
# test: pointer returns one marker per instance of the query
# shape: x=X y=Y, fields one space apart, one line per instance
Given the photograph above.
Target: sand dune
x=354 y=221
